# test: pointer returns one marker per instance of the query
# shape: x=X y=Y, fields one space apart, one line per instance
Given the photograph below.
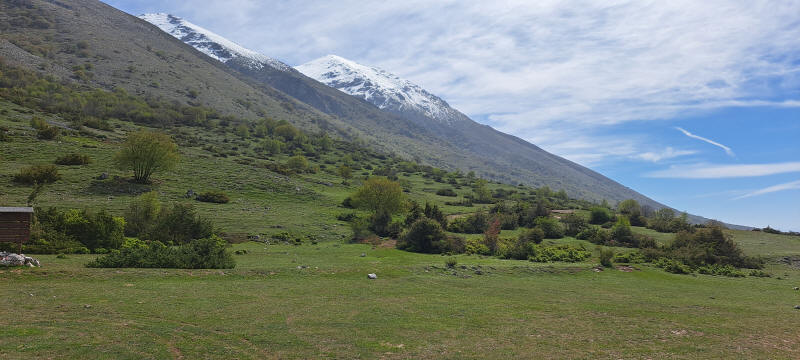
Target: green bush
x=48 y=133
x=606 y=257
x=73 y=159
x=535 y=235
x=551 y=227
x=179 y=224
x=424 y=236
x=446 y=192
x=720 y=270
x=599 y=215
x=633 y=257
x=217 y=197
x=474 y=224
x=38 y=174
x=141 y=214
x=673 y=266
x=205 y=253
x=595 y=235
x=564 y=253
x=74 y=230
x=574 y=224
x=451 y=262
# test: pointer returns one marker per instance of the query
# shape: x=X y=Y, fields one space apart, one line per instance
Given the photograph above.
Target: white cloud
x=667 y=153
x=794 y=185
x=713 y=171
x=712 y=142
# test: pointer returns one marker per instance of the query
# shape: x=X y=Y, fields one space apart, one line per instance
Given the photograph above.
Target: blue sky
x=695 y=104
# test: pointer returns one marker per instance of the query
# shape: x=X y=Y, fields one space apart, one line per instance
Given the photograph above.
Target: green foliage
x=551 y=227
x=599 y=215
x=142 y=213
x=380 y=195
x=73 y=159
x=633 y=257
x=424 y=235
x=446 y=192
x=535 y=235
x=451 y=262
x=146 y=152
x=345 y=172
x=595 y=235
x=607 y=257
x=298 y=163
x=473 y=224
x=720 y=270
x=482 y=194
x=38 y=174
x=574 y=224
x=179 y=224
x=71 y=230
x=205 y=253
x=673 y=266
x=217 y=197
x=564 y=253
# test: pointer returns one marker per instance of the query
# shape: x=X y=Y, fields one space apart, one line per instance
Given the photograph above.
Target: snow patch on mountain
x=383 y=89
x=210 y=43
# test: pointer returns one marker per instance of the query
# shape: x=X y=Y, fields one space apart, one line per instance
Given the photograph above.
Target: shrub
x=298 y=163
x=205 y=253
x=474 y=224
x=142 y=213
x=424 y=236
x=446 y=192
x=217 y=197
x=73 y=230
x=179 y=224
x=599 y=215
x=673 y=266
x=565 y=253
x=551 y=227
x=633 y=257
x=535 y=235
x=48 y=132
x=595 y=235
x=720 y=270
x=451 y=262
x=606 y=257
x=38 y=174
x=476 y=246
x=574 y=224
x=73 y=159
x=347 y=217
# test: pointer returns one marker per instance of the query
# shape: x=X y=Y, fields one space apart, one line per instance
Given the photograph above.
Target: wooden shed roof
x=16 y=209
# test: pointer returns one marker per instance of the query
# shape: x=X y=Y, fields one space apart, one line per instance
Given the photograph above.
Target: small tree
x=297 y=163
x=345 y=172
x=142 y=213
x=383 y=197
x=146 y=152
x=482 y=192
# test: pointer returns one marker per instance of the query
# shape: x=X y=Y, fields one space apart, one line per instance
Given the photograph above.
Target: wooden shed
x=15 y=224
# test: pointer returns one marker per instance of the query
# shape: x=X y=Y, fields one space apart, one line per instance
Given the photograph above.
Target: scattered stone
x=363 y=254
x=597 y=269
x=796 y=288
x=103 y=176
x=189 y=194
x=372 y=276
x=87 y=306
x=797 y=307
x=478 y=272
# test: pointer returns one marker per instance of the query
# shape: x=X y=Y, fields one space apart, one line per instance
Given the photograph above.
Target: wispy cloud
x=667 y=153
x=794 y=185
x=713 y=171
x=712 y=142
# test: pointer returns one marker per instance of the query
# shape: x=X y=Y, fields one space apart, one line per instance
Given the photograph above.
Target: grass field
x=267 y=307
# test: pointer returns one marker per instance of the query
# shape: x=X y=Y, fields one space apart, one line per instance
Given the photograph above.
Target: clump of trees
x=74 y=231
x=205 y=253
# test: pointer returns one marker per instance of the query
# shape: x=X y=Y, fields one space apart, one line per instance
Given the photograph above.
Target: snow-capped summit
x=210 y=43
x=383 y=89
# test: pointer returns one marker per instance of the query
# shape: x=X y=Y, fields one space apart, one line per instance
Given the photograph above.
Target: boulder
x=372 y=276
x=103 y=176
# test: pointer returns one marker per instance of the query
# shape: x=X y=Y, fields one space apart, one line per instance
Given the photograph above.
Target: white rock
x=372 y=276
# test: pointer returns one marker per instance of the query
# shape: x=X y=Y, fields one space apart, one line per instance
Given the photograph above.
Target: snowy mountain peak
x=383 y=89
x=210 y=43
